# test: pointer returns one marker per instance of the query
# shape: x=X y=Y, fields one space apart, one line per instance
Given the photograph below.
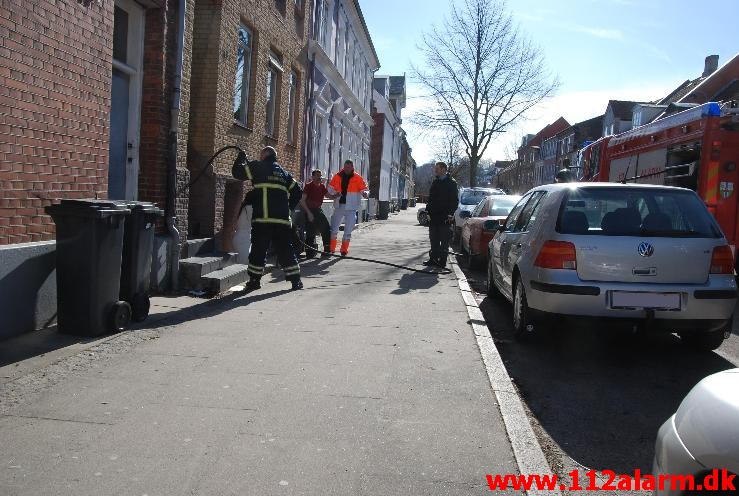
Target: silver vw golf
x=629 y=255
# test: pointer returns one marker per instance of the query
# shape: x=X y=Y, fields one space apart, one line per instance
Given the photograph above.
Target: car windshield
x=636 y=212
x=474 y=196
x=502 y=207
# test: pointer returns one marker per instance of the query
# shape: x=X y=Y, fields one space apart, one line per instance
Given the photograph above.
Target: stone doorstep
x=220 y=281
x=193 y=269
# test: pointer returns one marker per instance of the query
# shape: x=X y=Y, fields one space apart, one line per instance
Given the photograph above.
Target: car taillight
x=557 y=255
x=722 y=260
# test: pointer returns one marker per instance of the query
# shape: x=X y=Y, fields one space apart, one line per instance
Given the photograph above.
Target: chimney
x=711 y=65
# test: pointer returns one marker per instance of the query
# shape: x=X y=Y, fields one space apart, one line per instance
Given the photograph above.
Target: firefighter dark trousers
x=281 y=238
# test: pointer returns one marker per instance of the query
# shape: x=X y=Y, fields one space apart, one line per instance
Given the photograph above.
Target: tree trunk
x=474 y=161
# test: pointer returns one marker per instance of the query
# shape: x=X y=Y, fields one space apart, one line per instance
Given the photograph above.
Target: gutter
x=173 y=252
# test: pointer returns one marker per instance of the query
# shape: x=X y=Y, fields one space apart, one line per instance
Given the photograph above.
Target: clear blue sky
x=599 y=49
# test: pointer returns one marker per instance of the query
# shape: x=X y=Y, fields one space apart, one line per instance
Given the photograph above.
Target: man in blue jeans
x=443 y=202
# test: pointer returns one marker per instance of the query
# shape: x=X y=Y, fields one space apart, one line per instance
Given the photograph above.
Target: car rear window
x=635 y=212
x=501 y=207
x=473 y=197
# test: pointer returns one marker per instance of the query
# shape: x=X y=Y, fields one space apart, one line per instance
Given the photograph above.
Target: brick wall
x=183 y=174
x=212 y=85
x=55 y=63
x=156 y=100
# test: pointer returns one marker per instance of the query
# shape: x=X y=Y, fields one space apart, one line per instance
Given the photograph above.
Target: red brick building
x=88 y=108
x=85 y=96
x=248 y=89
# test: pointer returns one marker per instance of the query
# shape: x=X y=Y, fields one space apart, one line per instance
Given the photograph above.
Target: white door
x=125 y=100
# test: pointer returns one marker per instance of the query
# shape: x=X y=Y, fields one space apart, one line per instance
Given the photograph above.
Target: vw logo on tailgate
x=645 y=249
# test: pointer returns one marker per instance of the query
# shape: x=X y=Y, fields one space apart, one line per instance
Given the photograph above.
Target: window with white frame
x=243 y=75
x=347 y=52
x=274 y=72
x=340 y=28
x=317 y=140
x=322 y=19
x=326 y=26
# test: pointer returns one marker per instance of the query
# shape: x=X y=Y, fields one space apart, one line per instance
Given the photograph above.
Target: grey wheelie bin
x=89 y=244
x=138 y=245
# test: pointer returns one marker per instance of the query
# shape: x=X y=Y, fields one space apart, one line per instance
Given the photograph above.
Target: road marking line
x=529 y=455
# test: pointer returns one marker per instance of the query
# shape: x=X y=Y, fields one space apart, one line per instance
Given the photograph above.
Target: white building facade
x=341 y=65
x=387 y=184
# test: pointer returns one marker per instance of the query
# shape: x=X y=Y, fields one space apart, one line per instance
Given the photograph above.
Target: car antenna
x=626 y=174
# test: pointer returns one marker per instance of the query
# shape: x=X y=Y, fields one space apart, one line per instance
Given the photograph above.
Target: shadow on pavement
x=415 y=281
x=600 y=396
x=37 y=343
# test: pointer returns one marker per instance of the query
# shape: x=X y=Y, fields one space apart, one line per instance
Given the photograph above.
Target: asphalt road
x=597 y=399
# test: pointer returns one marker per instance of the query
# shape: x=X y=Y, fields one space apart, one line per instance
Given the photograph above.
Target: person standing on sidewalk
x=311 y=202
x=442 y=203
x=274 y=196
x=347 y=188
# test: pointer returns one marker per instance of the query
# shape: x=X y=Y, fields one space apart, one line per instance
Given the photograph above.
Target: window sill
x=241 y=125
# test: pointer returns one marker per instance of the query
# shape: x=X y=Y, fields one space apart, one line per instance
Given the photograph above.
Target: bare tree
x=448 y=149
x=481 y=75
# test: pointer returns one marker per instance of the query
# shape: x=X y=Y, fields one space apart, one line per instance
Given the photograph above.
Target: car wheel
x=492 y=289
x=704 y=341
x=523 y=324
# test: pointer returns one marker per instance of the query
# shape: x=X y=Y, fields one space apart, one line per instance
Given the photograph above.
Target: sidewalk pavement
x=368 y=382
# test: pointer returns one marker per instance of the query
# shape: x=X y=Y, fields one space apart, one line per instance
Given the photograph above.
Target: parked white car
x=469 y=198
x=629 y=255
x=422 y=216
x=702 y=436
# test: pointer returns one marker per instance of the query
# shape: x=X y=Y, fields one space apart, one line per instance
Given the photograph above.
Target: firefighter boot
x=344 y=248
x=253 y=284
x=297 y=284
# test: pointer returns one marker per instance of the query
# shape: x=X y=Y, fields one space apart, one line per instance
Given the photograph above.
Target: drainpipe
x=173 y=255
x=307 y=114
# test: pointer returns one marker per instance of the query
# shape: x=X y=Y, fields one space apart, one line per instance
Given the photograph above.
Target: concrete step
x=194 y=268
x=198 y=247
x=222 y=280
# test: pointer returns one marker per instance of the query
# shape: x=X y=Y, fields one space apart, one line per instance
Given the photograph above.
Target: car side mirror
x=465 y=214
x=491 y=225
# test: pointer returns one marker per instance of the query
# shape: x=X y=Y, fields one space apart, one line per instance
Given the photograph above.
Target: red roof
x=555 y=127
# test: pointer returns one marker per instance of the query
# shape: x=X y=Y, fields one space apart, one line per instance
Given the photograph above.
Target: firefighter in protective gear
x=274 y=197
x=564 y=176
x=347 y=188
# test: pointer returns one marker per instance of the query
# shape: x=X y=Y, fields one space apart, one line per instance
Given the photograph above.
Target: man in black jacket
x=274 y=197
x=443 y=202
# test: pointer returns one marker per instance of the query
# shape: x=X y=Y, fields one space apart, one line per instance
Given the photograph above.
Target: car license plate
x=662 y=301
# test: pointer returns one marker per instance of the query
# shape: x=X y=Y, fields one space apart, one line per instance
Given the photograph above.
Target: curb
x=526 y=448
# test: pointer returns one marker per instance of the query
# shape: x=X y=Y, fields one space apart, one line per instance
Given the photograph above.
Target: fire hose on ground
x=209 y=165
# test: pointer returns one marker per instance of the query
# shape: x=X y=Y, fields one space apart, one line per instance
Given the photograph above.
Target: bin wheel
x=140 y=307
x=120 y=316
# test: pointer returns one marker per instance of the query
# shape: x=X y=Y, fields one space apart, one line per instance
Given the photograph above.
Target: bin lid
x=87 y=207
x=145 y=207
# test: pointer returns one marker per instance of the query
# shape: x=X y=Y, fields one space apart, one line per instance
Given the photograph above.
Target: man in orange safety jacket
x=347 y=188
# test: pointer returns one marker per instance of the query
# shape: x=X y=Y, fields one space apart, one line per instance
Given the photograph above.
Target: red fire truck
x=697 y=148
